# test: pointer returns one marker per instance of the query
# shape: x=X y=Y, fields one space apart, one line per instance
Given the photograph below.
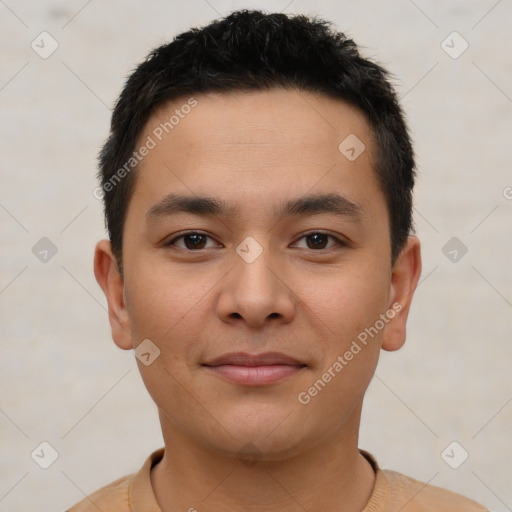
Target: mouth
x=255 y=370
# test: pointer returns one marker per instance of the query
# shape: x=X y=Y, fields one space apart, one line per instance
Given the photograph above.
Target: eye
x=318 y=240
x=193 y=240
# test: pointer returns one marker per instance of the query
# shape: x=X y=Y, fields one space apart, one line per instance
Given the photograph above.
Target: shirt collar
x=142 y=498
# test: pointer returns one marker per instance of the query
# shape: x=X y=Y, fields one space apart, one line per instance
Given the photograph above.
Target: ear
x=404 y=279
x=108 y=277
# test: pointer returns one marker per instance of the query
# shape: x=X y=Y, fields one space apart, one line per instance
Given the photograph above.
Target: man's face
x=304 y=282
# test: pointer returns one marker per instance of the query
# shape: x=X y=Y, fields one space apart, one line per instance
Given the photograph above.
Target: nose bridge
x=254 y=290
x=253 y=266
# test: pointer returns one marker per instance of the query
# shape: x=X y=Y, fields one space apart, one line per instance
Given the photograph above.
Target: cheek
x=160 y=302
x=166 y=312
x=347 y=302
x=350 y=307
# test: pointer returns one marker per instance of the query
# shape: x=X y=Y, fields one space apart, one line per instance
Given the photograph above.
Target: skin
x=255 y=150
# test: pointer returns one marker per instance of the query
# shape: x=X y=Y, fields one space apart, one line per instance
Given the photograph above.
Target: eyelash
x=338 y=241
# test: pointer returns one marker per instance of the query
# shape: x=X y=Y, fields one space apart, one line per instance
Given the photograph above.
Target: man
x=258 y=193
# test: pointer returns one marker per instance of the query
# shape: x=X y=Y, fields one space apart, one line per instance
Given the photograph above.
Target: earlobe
x=404 y=279
x=108 y=277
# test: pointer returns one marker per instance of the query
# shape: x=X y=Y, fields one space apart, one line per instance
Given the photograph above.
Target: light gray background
x=62 y=379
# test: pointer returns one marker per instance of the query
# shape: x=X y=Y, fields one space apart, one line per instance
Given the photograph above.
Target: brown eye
x=190 y=241
x=194 y=241
x=319 y=240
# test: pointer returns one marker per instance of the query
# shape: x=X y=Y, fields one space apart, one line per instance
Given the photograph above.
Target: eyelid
x=339 y=241
x=182 y=234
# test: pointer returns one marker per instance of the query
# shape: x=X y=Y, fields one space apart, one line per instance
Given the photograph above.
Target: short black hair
x=251 y=50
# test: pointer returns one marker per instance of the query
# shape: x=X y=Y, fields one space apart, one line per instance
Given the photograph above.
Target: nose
x=256 y=292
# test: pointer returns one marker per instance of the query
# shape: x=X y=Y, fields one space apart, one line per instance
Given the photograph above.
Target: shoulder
x=113 y=497
x=415 y=496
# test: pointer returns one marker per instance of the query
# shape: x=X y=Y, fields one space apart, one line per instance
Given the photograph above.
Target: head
x=285 y=156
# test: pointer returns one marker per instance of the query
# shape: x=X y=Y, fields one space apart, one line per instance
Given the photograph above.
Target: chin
x=271 y=431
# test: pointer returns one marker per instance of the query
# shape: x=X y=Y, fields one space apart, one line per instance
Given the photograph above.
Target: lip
x=264 y=359
x=254 y=369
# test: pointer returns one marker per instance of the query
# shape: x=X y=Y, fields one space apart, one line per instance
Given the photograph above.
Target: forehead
x=247 y=147
x=277 y=117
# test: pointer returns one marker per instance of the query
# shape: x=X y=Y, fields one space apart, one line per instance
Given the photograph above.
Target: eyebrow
x=333 y=203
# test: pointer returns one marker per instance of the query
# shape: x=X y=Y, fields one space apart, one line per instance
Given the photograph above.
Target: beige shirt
x=392 y=492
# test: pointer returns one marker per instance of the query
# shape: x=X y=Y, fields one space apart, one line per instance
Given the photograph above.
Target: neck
x=331 y=475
